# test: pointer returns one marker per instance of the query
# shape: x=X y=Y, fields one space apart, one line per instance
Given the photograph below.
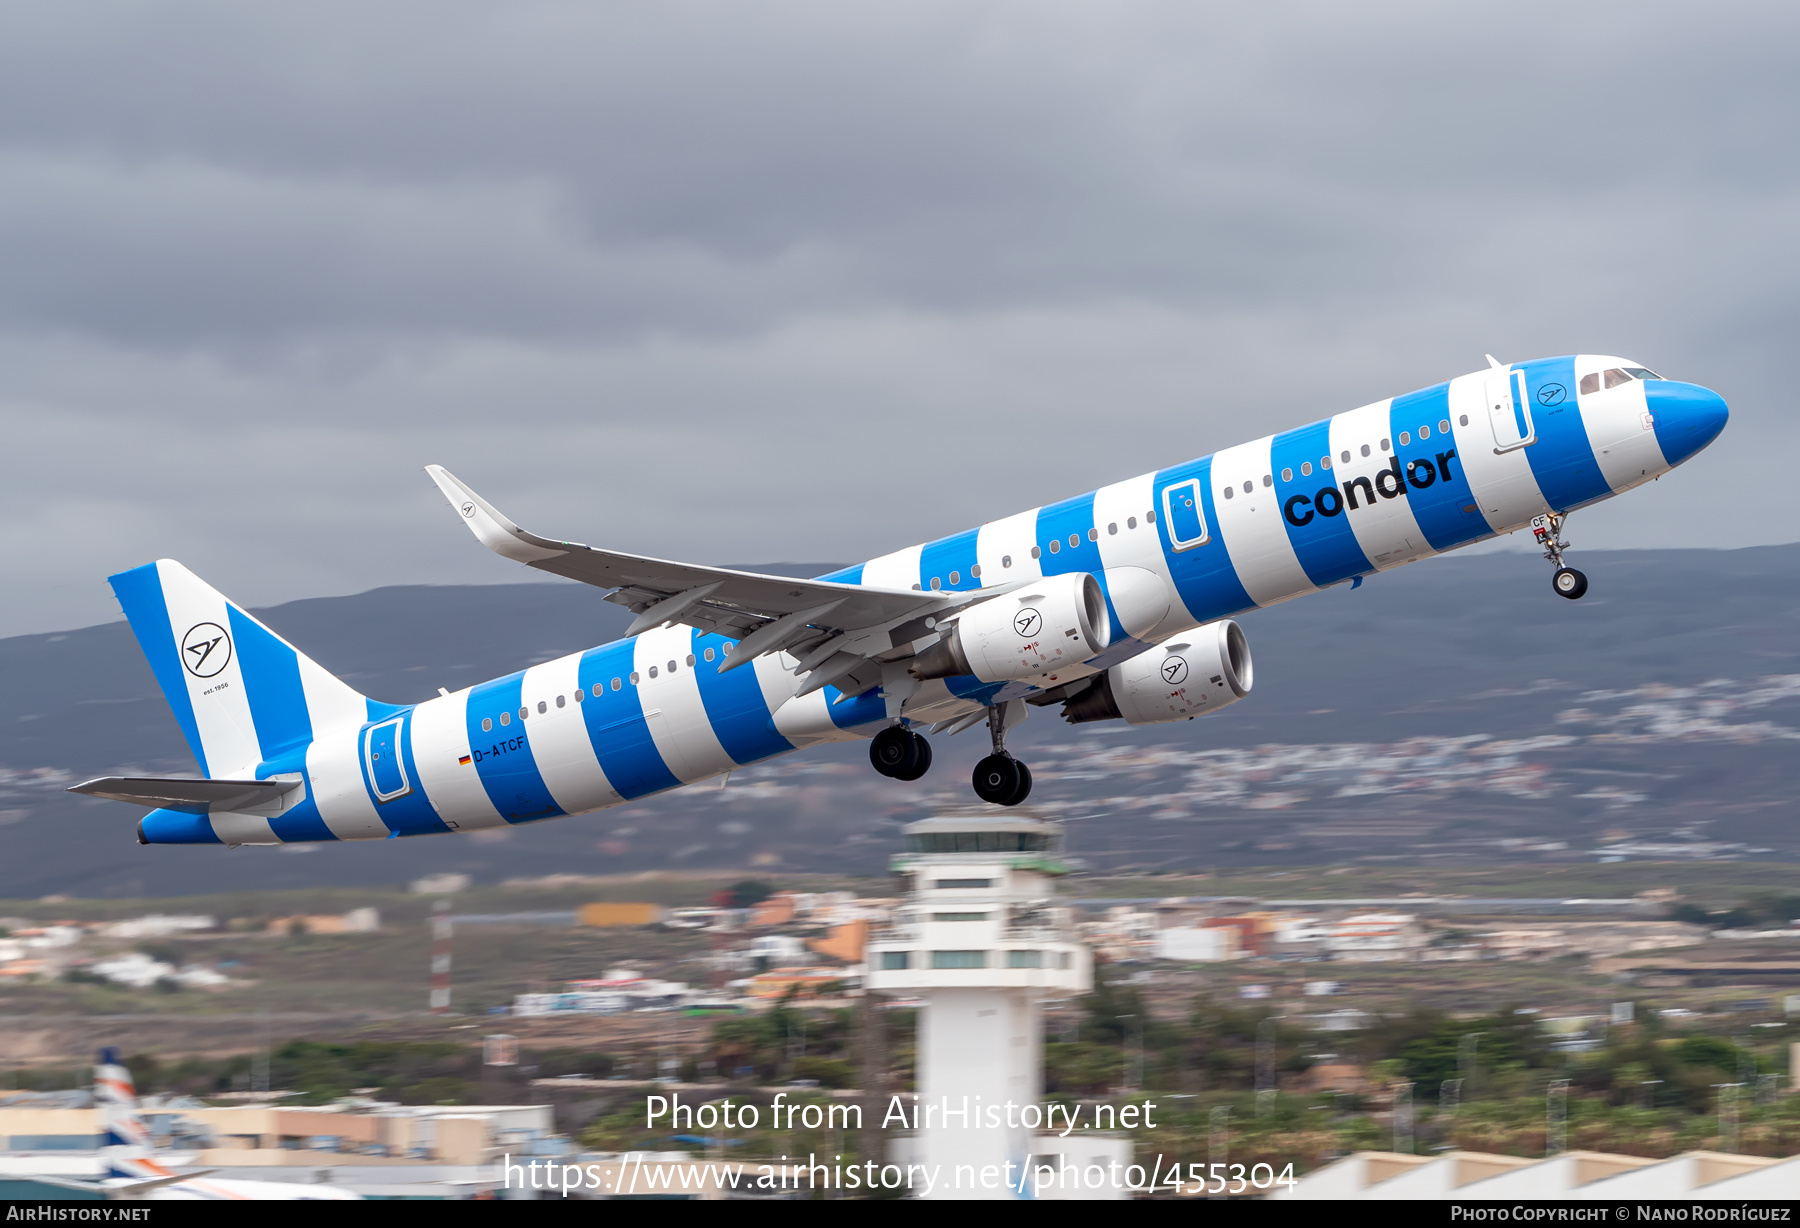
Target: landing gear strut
x=1548 y=530
x=900 y=753
x=1000 y=778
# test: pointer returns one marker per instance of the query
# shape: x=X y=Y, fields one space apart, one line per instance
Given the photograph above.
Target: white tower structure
x=982 y=942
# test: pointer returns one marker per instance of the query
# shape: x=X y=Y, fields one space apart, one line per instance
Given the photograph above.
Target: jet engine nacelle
x=1050 y=624
x=1185 y=676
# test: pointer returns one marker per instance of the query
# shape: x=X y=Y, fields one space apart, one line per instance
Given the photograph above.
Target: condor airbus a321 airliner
x=1116 y=604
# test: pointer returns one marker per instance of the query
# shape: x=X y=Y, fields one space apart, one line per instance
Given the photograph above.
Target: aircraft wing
x=190 y=795
x=764 y=613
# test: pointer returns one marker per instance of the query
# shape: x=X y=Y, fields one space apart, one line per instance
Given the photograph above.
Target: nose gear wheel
x=1568 y=583
x=1547 y=529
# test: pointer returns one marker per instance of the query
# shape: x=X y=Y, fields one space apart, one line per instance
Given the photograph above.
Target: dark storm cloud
x=858 y=274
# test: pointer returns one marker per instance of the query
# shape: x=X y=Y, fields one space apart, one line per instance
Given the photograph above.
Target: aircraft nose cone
x=1687 y=417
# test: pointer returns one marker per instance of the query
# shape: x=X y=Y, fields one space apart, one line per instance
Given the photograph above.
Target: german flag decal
x=463 y=762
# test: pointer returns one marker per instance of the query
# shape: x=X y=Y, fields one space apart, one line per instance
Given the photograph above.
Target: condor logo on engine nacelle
x=1390 y=483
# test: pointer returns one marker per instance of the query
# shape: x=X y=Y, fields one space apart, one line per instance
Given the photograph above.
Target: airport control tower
x=981 y=941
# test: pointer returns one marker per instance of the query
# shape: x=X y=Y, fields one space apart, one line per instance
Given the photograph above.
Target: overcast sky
x=756 y=282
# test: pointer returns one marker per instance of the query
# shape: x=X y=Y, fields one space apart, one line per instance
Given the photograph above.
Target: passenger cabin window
x=956 y=577
x=936 y=583
x=544 y=707
x=1406 y=438
x=1006 y=560
x=1131 y=522
x=1444 y=426
x=1424 y=433
x=975 y=572
x=1230 y=491
x=506 y=718
x=561 y=702
x=1055 y=545
x=1305 y=469
x=1112 y=529
x=709 y=654
x=1249 y=486
x=671 y=667
x=578 y=695
x=487 y=724
x=1287 y=475
x=690 y=660
x=1325 y=461
x=524 y=712
x=1345 y=456
x=652 y=672
x=634 y=676
x=1365 y=449
x=616 y=685
x=1036 y=553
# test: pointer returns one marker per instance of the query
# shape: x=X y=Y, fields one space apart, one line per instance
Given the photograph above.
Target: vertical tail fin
x=126 y=1146
x=241 y=693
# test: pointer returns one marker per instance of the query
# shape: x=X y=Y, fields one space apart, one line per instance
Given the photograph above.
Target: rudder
x=241 y=693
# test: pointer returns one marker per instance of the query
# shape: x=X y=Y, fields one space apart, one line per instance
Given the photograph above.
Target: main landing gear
x=1000 y=778
x=1548 y=530
x=900 y=753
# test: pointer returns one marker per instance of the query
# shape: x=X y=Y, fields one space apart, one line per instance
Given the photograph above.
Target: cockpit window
x=1615 y=376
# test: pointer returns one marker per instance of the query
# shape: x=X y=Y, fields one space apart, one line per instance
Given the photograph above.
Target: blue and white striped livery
x=1117 y=604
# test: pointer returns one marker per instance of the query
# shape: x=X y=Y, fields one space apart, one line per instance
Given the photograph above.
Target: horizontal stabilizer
x=193 y=796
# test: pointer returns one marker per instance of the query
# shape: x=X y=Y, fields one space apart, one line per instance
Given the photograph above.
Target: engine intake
x=1186 y=676
x=1050 y=624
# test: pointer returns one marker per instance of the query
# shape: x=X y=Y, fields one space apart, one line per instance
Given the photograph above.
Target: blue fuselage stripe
x=616 y=727
x=950 y=561
x=410 y=814
x=1068 y=526
x=1562 y=459
x=300 y=823
x=735 y=706
x=1208 y=583
x=1441 y=498
x=503 y=757
x=177 y=827
x=1312 y=507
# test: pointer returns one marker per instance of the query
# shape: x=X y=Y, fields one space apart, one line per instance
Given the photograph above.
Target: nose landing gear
x=900 y=753
x=1000 y=778
x=1548 y=530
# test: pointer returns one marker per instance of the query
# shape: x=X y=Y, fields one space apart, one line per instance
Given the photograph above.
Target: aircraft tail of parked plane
x=1116 y=604
x=133 y=1171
